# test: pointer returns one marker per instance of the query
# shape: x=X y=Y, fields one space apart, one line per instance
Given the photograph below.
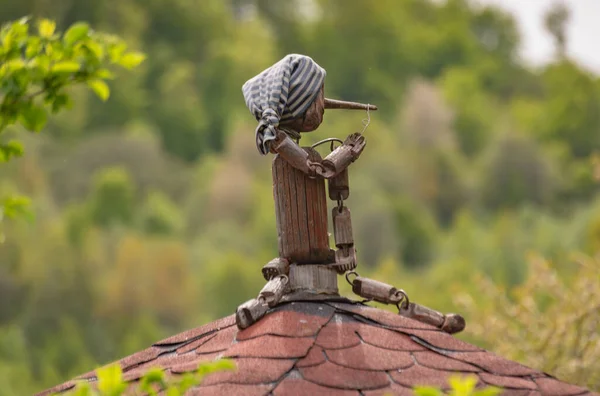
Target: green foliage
x=459 y=386
x=112 y=200
x=154 y=211
x=417 y=233
x=545 y=322
x=517 y=173
x=152 y=383
x=160 y=216
x=37 y=69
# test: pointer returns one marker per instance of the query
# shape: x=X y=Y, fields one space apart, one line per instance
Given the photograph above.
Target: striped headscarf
x=282 y=92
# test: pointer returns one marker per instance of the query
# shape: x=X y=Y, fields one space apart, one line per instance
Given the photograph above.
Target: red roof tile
x=220 y=342
x=508 y=382
x=195 y=344
x=271 y=347
x=494 y=364
x=281 y=323
x=253 y=371
x=324 y=347
x=382 y=317
x=338 y=334
x=420 y=376
x=315 y=356
x=393 y=389
x=60 y=388
x=329 y=374
x=551 y=386
x=230 y=389
x=368 y=357
x=300 y=387
x=388 y=339
x=442 y=340
x=199 y=331
x=193 y=363
x=440 y=362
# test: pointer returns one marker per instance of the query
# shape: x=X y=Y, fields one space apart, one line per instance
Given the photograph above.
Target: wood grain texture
x=339 y=186
x=339 y=159
x=342 y=227
x=301 y=213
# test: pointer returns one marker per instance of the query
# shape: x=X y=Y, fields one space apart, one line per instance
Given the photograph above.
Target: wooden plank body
x=301 y=212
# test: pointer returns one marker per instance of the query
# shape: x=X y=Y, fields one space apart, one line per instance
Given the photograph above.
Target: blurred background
x=477 y=192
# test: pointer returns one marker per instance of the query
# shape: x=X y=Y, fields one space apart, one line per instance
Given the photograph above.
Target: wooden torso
x=301 y=212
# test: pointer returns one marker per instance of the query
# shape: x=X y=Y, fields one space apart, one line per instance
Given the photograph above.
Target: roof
x=333 y=347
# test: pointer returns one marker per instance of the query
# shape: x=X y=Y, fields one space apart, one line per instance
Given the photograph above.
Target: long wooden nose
x=342 y=104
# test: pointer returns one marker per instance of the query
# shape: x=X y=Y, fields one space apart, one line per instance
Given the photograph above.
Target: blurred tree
x=149 y=167
x=571 y=116
x=160 y=271
x=112 y=200
x=440 y=177
x=417 y=233
x=13 y=289
x=546 y=323
x=473 y=108
x=516 y=172
x=159 y=216
x=555 y=21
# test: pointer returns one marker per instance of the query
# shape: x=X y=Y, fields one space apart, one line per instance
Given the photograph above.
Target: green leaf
x=153 y=376
x=131 y=59
x=60 y=102
x=34 y=46
x=46 y=28
x=65 y=67
x=116 y=50
x=15 y=206
x=187 y=382
x=171 y=391
x=104 y=74
x=14 y=65
x=462 y=386
x=34 y=118
x=9 y=150
x=427 y=391
x=96 y=49
x=110 y=380
x=212 y=367
x=489 y=391
x=100 y=88
x=76 y=32
x=82 y=389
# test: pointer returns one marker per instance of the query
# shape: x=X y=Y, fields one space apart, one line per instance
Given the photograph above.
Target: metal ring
x=327 y=140
x=351 y=273
x=285 y=278
x=340 y=204
x=405 y=300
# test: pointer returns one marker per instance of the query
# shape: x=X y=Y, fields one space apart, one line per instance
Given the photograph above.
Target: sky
x=583 y=32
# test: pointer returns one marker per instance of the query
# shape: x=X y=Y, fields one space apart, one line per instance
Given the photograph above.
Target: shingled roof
x=331 y=347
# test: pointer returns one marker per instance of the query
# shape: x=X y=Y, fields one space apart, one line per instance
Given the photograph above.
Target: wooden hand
x=357 y=144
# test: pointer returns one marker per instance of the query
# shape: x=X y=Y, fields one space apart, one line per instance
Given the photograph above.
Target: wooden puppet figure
x=288 y=99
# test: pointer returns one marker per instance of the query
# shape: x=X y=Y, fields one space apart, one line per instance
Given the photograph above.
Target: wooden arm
x=332 y=165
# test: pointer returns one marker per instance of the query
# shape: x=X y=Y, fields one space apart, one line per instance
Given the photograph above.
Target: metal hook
x=405 y=300
x=285 y=279
x=351 y=273
x=340 y=204
x=327 y=140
